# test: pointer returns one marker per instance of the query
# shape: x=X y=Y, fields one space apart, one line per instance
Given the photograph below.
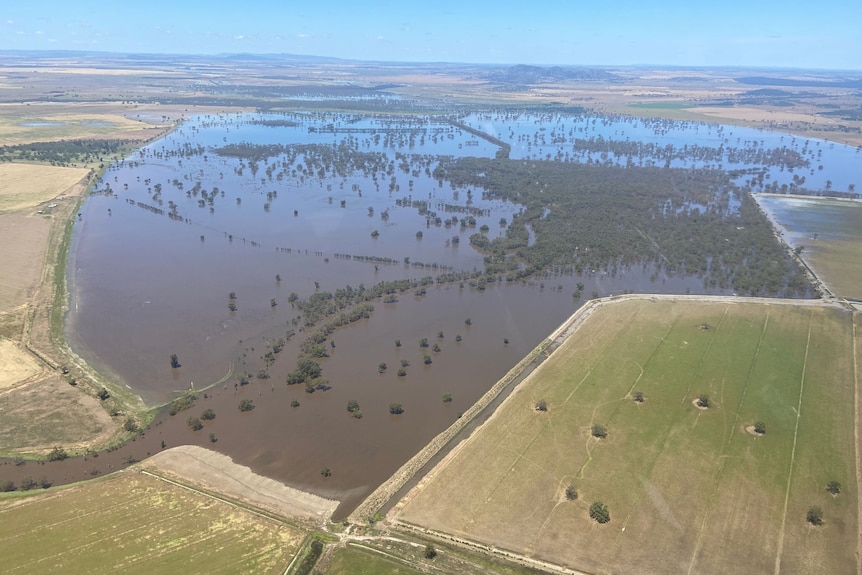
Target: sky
x=751 y=33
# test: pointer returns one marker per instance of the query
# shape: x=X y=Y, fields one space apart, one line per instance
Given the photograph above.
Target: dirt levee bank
x=216 y=472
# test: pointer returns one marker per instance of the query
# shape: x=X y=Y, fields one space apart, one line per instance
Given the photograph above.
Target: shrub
x=182 y=403
x=814 y=515
x=57 y=454
x=599 y=512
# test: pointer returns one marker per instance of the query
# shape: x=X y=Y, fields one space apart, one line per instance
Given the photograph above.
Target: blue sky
x=773 y=33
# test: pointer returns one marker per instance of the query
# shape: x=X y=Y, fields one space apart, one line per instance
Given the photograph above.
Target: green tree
x=195 y=424
x=430 y=552
x=571 y=492
x=541 y=405
x=130 y=425
x=208 y=415
x=396 y=408
x=599 y=431
x=703 y=401
x=760 y=428
x=352 y=405
x=833 y=487
x=57 y=454
x=638 y=396
x=246 y=405
x=599 y=512
x=814 y=515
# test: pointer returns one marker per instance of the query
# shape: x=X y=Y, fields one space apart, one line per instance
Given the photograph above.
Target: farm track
x=793 y=456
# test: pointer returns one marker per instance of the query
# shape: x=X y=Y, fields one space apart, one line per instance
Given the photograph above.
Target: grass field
x=688 y=490
x=137 y=524
x=28 y=185
x=354 y=561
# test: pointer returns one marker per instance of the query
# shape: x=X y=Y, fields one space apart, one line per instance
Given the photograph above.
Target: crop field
x=134 y=523
x=688 y=490
x=27 y=185
x=837 y=257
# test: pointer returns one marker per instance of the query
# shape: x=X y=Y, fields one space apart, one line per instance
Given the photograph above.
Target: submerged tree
x=175 y=362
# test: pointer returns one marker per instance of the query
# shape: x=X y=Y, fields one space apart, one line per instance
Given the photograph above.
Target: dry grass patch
x=15 y=365
x=28 y=185
x=688 y=490
x=23 y=241
x=50 y=412
x=133 y=523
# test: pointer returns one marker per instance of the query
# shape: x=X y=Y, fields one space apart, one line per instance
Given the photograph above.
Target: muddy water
x=152 y=271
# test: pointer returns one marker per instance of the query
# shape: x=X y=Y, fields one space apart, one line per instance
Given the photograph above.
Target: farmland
x=688 y=490
x=133 y=523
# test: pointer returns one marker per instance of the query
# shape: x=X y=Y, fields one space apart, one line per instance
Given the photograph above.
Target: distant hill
x=801 y=82
x=523 y=74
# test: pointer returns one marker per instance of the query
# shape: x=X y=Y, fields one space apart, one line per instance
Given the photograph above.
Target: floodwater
x=177 y=227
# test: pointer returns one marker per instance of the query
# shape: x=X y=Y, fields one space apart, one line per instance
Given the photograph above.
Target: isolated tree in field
x=833 y=487
x=599 y=512
x=396 y=409
x=430 y=552
x=760 y=428
x=703 y=401
x=541 y=405
x=638 y=397
x=175 y=361
x=246 y=405
x=571 y=492
x=814 y=515
x=599 y=431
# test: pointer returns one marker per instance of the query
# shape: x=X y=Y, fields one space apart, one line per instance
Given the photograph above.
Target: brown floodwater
x=148 y=284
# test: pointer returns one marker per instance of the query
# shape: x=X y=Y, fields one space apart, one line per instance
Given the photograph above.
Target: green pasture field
x=134 y=523
x=688 y=490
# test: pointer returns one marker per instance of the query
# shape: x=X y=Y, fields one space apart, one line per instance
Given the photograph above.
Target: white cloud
x=239 y=37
